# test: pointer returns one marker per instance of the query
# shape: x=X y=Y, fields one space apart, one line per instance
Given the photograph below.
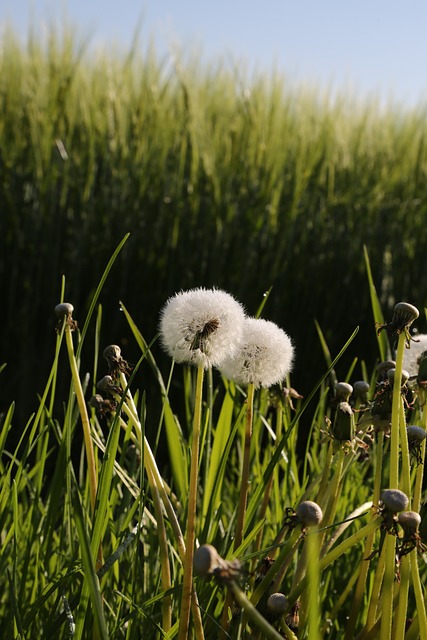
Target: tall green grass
x=113 y=568
x=222 y=178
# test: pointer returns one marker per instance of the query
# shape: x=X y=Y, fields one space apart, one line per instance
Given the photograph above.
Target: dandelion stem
x=90 y=456
x=395 y=415
x=335 y=553
x=253 y=614
x=388 y=587
x=390 y=541
x=364 y=566
x=244 y=487
x=187 y=586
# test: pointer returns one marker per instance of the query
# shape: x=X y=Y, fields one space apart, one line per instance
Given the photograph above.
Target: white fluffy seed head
x=409 y=521
x=277 y=604
x=264 y=356
x=411 y=357
x=206 y=559
x=201 y=326
x=309 y=513
x=394 y=500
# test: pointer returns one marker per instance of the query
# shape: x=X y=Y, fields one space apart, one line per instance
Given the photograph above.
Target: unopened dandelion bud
x=415 y=434
x=343 y=425
x=409 y=521
x=277 y=604
x=309 y=513
x=64 y=310
x=206 y=560
x=343 y=391
x=394 y=500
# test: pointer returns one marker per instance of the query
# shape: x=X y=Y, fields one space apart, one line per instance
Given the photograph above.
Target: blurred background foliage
x=221 y=179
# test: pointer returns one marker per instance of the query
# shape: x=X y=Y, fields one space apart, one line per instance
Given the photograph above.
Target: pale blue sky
x=375 y=47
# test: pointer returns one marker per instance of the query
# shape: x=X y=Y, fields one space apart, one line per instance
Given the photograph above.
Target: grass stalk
x=244 y=486
x=187 y=587
x=356 y=606
x=390 y=541
x=268 y=632
x=90 y=456
x=335 y=553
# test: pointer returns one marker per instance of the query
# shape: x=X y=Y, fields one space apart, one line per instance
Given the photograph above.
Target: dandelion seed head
x=277 y=604
x=309 y=513
x=201 y=326
x=264 y=357
x=394 y=500
x=411 y=357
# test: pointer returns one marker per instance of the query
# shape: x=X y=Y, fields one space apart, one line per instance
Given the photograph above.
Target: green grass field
x=124 y=179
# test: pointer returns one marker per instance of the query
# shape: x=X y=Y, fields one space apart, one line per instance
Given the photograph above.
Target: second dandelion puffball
x=264 y=356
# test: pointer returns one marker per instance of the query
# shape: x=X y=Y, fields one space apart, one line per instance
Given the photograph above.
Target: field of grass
x=94 y=513
x=221 y=178
x=211 y=178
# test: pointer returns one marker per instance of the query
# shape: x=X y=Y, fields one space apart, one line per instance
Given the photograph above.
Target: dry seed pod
x=96 y=401
x=64 y=310
x=343 y=391
x=277 y=604
x=107 y=384
x=309 y=513
x=112 y=352
x=404 y=314
x=409 y=521
x=394 y=500
x=361 y=390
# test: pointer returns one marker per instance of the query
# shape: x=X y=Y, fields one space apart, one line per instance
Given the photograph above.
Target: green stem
x=395 y=415
x=402 y=606
x=418 y=628
x=253 y=614
x=375 y=594
x=163 y=551
x=335 y=553
x=187 y=586
x=390 y=541
x=388 y=587
x=313 y=575
x=244 y=487
x=287 y=548
x=356 y=606
x=274 y=476
x=93 y=478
